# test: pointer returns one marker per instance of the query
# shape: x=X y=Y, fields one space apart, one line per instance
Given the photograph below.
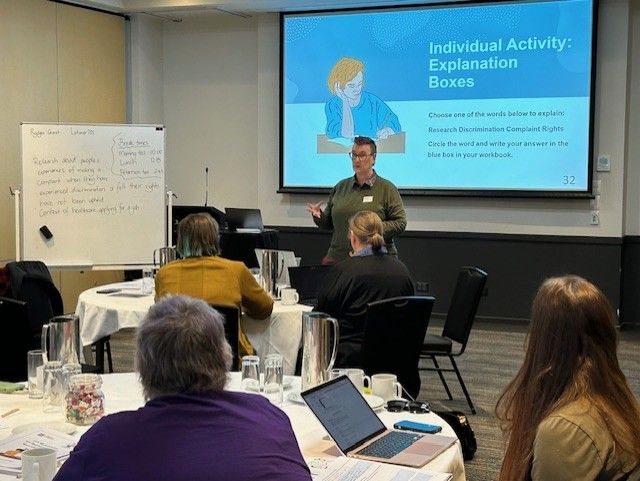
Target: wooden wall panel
x=59 y=63
x=91 y=88
x=28 y=71
x=91 y=66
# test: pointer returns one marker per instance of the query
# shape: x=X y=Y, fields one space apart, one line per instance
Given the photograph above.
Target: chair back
x=464 y=305
x=393 y=338
x=231 y=330
x=15 y=340
x=31 y=282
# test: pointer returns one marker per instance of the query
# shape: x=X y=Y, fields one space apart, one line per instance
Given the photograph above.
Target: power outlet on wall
x=422 y=286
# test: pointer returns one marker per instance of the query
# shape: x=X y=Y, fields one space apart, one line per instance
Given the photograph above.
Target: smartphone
x=418 y=427
x=107 y=291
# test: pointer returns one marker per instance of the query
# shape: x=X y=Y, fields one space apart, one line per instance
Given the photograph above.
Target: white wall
x=221 y=110
x=146 y=70
x=211 y=105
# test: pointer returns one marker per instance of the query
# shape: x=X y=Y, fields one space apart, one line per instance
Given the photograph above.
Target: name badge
x=367 y=198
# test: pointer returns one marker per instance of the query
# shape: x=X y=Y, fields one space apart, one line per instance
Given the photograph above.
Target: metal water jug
x=164 y=255
x=318 y=352
x=61 y=339
x=271 y=269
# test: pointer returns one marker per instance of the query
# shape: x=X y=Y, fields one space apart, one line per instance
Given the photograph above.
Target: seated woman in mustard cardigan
x=202 y=274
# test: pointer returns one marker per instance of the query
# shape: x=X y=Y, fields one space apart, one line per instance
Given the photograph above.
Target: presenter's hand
x=314 y=209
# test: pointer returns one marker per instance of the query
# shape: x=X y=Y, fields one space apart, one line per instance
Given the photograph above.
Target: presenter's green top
x=347 y=198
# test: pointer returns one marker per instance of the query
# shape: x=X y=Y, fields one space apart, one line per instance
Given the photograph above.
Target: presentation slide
x=477 y=98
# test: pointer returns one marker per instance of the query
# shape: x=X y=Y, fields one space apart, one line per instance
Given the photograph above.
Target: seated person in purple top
x=190 y=428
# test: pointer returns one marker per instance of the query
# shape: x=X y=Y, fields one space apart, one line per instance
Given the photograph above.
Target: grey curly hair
x=181 y=347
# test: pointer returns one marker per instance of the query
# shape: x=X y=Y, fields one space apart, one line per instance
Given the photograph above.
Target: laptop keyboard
x=390 y=444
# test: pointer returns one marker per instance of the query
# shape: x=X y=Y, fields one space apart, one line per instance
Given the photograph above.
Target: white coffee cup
x=289 y=296
x=38 y=464
x=386 y=386
x=359 y=379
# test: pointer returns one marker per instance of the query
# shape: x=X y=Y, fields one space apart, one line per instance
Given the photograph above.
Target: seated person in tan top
x=569 y=413
x=202 y=274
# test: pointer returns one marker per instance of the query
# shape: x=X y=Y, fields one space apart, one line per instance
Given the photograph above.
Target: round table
x=104 y=314
x=123 y=392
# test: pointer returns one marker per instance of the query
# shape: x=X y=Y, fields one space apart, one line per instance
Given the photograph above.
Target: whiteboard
x=98 y=189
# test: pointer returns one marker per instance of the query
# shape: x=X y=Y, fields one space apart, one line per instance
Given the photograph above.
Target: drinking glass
x=53 y=393
x=147 y=280
x=251 y=373
x=273 y=378
x=35 y=363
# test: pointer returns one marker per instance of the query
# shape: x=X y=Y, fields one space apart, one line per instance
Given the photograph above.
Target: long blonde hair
x=570 y=354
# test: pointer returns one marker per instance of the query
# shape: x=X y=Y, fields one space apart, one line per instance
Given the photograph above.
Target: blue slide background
x=394 y=46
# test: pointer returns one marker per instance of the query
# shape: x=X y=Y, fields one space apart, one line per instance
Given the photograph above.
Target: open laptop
x=359 y=432
x=243 y=220
x=308 y=280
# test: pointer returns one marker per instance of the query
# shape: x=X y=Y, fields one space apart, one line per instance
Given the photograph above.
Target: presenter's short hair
x=198 y=236
x=344 y=70
x=360 y=140
x=181 y=347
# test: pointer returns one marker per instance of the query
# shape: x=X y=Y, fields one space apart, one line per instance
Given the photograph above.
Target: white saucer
x=375 y=402
x=59 y=426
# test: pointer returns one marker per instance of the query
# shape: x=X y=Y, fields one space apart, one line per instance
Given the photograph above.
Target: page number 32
x=568 y=179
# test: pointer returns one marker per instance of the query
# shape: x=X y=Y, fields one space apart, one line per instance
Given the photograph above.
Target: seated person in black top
x=370 y=274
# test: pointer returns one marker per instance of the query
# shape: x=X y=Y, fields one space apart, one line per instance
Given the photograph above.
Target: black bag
x=460 y=424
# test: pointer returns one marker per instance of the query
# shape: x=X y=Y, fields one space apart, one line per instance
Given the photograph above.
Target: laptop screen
x=343 y=412
x=243 y=218
x=308 y=280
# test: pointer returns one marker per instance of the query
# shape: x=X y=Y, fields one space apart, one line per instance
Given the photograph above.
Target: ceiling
x=245 y=7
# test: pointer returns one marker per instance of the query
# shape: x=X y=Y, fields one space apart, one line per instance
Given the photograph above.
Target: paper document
x=350 y=469
x=12 y=447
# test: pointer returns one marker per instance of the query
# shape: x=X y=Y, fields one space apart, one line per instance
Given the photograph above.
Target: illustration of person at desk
x=354 y=112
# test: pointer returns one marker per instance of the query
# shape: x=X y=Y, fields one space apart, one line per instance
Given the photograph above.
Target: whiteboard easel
x=98 y=188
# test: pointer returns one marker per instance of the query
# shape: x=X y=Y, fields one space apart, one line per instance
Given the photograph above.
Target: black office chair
x=393 y=338
x=15 y=341
x=231 y=330
x=31 y=282
x=457 y=326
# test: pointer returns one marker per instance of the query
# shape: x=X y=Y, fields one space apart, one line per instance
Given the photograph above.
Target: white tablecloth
x=103 y=314
x=123 y=392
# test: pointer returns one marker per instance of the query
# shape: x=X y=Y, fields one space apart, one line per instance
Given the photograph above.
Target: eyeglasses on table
x=417 y=407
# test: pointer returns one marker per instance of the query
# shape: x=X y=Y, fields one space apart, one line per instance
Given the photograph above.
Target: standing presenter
x=364 y=191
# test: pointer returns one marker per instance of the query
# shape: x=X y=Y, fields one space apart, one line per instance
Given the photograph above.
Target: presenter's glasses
x=354 y=155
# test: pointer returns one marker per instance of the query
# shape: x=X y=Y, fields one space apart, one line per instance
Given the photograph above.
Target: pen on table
x=9 y=412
